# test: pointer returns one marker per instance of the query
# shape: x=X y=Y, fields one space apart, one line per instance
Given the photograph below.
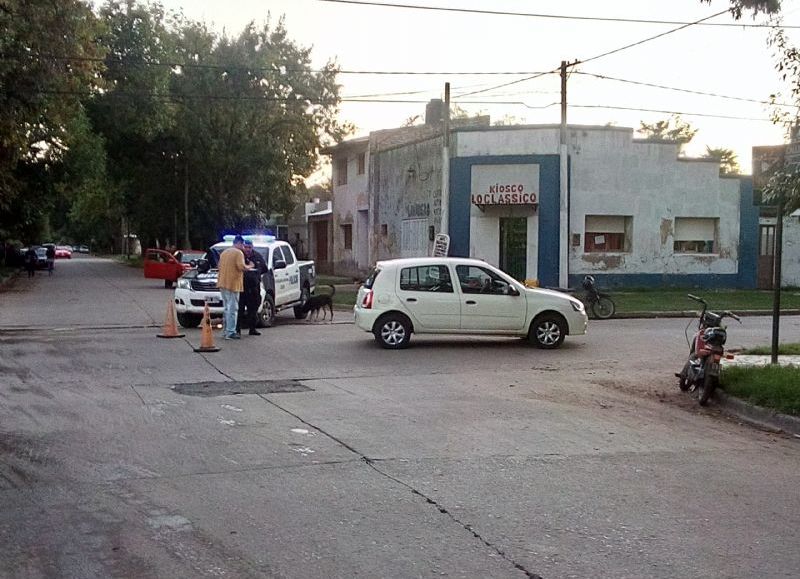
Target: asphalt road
x=458 y=457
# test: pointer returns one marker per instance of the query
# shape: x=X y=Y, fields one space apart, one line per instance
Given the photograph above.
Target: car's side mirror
x=279 y=264
x=512 y=291
x=202 y=265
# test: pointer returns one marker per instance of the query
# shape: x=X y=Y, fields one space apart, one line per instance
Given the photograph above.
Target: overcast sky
x=728 y=61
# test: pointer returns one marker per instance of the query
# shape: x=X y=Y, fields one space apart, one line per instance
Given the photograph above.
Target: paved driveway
x=457 y=457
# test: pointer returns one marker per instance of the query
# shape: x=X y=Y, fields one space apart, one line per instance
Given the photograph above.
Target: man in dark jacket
x=30 y=261
x=250 y=298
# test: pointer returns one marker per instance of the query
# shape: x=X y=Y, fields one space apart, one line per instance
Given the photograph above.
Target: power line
x=684 y=113
x=620 y=49
x=505 y=84
x=178 y=97
x=684 y=90
x=640 y=42
x=551 y=16
x=226 y=67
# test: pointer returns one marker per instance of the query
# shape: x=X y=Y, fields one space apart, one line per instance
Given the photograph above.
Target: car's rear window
x=370 y=281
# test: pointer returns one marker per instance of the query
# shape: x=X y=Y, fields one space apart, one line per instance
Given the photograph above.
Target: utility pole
x=563 y=237
x=777 y=275
x=445 y=209
x=186 y=243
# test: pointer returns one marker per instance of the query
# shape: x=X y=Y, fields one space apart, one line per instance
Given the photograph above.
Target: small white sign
x=441 y=245
x=505 y=184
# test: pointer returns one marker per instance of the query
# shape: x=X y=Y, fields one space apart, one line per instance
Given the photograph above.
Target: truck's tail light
x=366 y=303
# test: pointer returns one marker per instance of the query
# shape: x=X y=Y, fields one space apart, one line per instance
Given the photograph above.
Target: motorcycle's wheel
x=706 y=388
x=683 y=378
x=603 y=308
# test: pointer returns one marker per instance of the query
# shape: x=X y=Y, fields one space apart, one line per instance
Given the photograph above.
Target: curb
x=693 y=314
x=757 y=415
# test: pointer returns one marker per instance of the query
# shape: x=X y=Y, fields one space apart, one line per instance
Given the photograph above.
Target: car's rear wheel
x=548 y=331
x=167 y=284
x=266 y=315
x=392 y=331
x=187 y=320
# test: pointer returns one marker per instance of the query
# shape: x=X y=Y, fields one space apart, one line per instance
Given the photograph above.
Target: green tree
x=253 y=116
x=40 y=94
x=135 y=117
x=673 y=129
x=728 y=160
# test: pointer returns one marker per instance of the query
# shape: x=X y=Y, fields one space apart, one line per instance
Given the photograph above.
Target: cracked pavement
x=459 y=457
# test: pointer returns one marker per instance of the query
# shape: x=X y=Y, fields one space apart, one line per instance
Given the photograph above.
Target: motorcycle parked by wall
x=600 y=304
x=701 y=371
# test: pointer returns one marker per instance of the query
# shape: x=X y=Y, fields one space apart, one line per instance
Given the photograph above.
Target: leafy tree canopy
x=728 y=160
x=41 y=93
x=673 y=129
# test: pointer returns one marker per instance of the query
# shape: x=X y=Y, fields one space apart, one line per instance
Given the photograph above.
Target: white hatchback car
x=461 y=296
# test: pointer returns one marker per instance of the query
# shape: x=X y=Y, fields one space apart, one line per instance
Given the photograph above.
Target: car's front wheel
x=187 y=320
x=548 y=331
x=392 y=331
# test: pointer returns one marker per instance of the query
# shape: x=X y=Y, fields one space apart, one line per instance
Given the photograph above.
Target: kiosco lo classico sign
x=505 y=185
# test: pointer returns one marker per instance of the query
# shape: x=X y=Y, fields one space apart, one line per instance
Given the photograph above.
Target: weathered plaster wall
x=612 y=174
x=406 y=184
x=348 y=199
x=790 y=267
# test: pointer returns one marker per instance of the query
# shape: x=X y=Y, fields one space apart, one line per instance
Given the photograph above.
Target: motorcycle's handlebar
x=734 y=316
x=695 y=298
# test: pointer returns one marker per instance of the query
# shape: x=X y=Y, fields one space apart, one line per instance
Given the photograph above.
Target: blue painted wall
x=549 y=192
x=746 y=277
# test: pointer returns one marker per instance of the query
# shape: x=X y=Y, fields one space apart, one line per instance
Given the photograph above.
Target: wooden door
x=766 y=256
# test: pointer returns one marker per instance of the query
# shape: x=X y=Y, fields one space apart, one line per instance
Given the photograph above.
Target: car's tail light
x=366 y=303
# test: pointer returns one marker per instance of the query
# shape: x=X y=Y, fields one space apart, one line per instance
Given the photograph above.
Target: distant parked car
x=461 y=296
x=63 y=252
x=82 y=249
x=161 y=264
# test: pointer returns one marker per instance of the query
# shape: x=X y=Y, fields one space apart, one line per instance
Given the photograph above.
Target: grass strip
x=791 y=349
x=776 y=387
x=663 y=300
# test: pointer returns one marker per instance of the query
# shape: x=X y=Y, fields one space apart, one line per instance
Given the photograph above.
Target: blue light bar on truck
x=254 y=238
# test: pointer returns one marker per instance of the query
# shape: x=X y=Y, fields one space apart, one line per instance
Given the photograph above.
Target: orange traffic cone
x=206 y=335
x=170 y=329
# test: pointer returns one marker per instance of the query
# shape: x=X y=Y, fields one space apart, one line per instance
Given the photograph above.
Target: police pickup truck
x=287 y=282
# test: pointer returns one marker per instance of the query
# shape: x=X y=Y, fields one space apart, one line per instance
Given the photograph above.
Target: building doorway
x=766 y=256
x=514 y=246
x=321 y=245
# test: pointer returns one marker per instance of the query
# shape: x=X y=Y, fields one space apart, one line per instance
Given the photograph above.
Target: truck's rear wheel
x=300 y=312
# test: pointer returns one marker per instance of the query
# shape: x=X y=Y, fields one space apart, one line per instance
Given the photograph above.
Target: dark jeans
x=250 y=300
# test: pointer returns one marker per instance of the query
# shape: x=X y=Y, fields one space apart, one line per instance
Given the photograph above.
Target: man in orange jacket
x=231 y=282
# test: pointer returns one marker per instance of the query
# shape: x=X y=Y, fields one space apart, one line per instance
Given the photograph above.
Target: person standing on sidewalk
x=250 y=298
x=231 y=282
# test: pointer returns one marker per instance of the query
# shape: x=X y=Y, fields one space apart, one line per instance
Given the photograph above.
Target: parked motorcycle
x=701 y=371
x=601 y=304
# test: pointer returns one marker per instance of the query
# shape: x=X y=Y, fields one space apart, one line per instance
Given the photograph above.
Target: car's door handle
x=471 y=302
x=411 y=299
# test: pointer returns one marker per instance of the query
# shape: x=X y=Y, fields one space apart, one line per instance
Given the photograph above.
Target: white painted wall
x=484 y=234
x=613 y=174
x=348 y=199
x=790 y=268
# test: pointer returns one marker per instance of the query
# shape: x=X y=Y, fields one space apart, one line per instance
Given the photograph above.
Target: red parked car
x=63 y=252
x=160 y=264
